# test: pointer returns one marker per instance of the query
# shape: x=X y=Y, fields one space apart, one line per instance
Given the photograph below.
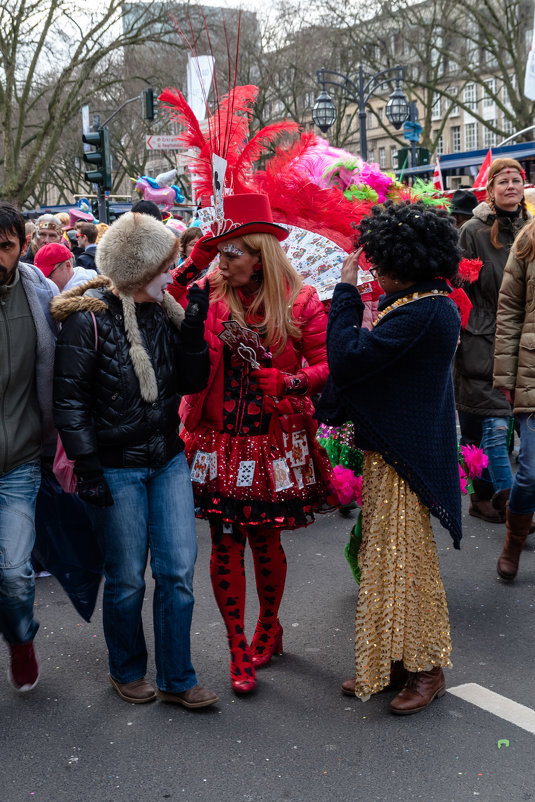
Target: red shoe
x=23 y=672
x=242 y=672
x=267 y=641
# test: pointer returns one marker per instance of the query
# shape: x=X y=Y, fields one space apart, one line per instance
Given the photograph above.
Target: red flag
x=481 y=180
x=437 y=176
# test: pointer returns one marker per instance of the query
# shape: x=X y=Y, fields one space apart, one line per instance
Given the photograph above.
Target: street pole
x=102 y=206
x=362 y=116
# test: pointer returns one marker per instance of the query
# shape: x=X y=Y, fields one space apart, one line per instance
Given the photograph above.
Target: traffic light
x=148 y=104
x=99 y=158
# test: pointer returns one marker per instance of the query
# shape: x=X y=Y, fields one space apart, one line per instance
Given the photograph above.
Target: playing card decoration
x=244 y=344
x=318 y=261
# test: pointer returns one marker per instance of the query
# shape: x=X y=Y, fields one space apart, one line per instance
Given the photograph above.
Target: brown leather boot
x=518 y=528
x=138 y=692
x=500 y=499
x=419 y=691
x=398 y=678
x=484 y=509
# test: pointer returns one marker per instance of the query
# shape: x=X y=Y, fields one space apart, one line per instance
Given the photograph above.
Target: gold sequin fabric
x=402 y=612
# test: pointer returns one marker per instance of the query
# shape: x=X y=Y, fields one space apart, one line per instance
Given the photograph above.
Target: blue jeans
x=18 y=492
x=153 y=509
x=522 y=498
x=494 y=444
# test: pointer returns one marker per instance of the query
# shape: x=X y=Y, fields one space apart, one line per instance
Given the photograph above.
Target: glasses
x=374 y=271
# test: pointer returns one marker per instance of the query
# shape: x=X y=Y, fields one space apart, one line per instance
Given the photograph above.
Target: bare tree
x=55 y=58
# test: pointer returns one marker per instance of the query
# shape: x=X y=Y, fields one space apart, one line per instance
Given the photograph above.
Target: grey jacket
x=39 y=292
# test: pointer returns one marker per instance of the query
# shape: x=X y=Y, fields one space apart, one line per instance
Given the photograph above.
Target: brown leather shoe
x=398 y=678
x=518 y=529
x=192 y=698
x=138 y=692
x=484 y=509
x=419 y=691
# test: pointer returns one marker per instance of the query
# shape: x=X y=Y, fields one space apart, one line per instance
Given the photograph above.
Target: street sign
x=158 y=142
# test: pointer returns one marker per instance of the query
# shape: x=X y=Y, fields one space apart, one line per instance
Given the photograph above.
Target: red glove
x=204 y=251
x=271 y=381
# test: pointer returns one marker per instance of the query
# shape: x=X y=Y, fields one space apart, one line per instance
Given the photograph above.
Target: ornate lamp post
x=360 y=91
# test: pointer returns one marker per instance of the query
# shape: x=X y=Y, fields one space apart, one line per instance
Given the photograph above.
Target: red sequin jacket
x=206 y=407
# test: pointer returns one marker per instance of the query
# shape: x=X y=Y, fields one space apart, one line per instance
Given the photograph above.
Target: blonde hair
x=496 y=167
x=271 y=310
x=524 y=244
x=101 y=228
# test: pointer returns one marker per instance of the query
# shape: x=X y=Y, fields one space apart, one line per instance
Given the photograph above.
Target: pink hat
x=50 y=255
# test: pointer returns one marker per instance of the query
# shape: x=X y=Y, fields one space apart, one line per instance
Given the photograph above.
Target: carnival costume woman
x=395 y=383
x=250 y=435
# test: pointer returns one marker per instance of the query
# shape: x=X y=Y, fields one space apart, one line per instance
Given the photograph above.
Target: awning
x=473 y=158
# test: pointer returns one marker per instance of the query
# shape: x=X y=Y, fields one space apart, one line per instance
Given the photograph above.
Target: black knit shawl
x=394 y=382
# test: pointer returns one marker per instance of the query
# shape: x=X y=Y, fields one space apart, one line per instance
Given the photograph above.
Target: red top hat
x=246 y=214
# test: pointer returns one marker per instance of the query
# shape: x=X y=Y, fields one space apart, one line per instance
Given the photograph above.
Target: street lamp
x=397 y=107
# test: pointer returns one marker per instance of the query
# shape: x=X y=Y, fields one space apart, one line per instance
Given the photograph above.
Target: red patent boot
x=242 y=671
x=267 y=641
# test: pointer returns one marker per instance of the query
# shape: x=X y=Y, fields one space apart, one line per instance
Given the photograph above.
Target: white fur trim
x=140 y=359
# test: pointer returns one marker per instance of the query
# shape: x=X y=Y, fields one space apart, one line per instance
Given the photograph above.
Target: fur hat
x=131 y=253
x=134 y=250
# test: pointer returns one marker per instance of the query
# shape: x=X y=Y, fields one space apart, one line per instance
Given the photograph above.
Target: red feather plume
x=297 y=201
x=469 y=269
x=178 y=109
x=463 y=303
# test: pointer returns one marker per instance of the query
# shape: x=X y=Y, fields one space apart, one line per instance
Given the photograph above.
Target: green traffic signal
x=100 y=158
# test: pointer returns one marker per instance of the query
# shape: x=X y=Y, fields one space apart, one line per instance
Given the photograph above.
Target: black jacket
x=474 y=360
x=98 y=408
x=87 y=258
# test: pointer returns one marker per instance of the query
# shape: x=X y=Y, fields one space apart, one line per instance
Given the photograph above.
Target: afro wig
x=410 y=242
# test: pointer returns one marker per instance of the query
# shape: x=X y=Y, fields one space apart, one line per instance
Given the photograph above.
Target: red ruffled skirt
x=276 y=480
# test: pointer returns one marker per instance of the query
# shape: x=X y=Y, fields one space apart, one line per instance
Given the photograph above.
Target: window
x=470 y=97
x=371 y=119
x=349 y=118
x=371 y=155
x=439 y=147
x=382 y=158
x=380 y=114
x=393 y=157
x=456 y=139
x=436 y=109
x=470 y=136
x=490 y=92
x=308 y=100
x=490 y=139
x=507 y=126
x=490 y=59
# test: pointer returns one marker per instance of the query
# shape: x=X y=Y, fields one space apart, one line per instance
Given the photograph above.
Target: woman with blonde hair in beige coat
x=514 y=375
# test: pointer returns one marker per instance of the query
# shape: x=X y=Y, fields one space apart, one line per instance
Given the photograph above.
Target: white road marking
x=501 y=706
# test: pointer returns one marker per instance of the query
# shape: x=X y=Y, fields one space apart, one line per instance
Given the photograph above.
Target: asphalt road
x=297 y=738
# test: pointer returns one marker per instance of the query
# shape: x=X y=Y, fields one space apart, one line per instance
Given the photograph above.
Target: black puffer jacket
x=98 y=408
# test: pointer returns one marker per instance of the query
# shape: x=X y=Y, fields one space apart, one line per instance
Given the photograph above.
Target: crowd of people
x=185 y=376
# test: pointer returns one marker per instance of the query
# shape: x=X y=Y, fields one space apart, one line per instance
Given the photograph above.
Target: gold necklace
x=408 y=299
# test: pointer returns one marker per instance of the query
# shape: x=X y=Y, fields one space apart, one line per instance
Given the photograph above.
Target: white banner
x=200 y=74
x=529 y=78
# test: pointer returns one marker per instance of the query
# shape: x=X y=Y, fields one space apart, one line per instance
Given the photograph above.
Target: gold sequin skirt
x=402 y=612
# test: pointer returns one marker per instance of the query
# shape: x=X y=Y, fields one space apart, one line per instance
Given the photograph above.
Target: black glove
x=92 y=486
x=196 y=312
x=94 y=490
x=198 y=303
